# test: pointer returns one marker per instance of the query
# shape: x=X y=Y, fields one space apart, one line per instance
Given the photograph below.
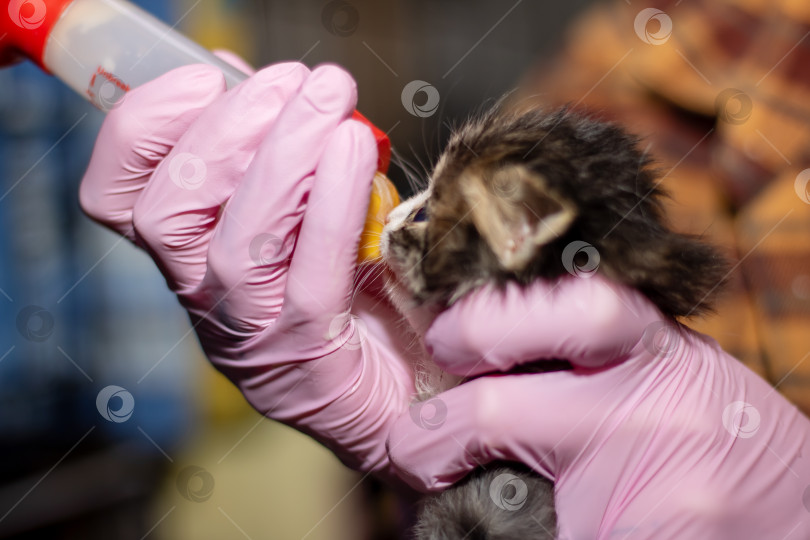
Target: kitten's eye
x=420 y=215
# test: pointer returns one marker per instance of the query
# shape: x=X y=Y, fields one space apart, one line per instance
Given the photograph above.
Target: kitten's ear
x=515 y=213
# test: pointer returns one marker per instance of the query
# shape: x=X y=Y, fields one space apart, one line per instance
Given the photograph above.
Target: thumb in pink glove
x=656 y=433
x=251 y=203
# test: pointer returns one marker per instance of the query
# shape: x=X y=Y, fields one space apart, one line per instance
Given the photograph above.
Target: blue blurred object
x=63 y=280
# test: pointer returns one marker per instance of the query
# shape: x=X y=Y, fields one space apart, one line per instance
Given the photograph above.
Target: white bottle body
x=103 y=48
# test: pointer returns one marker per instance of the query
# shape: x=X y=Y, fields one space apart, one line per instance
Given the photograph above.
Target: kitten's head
x=513 y=189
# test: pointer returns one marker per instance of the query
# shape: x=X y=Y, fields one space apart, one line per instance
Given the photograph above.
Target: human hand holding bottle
x=251 y=203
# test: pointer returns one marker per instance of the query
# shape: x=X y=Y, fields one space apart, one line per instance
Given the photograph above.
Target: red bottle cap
x=25 y=27
x=383 y=143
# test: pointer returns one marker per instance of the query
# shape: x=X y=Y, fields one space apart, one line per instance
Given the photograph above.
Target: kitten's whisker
x=416 y=181
x=363 y=276
x=425 y=136
x=440 y=140
x=425 y=169
x=365 y=279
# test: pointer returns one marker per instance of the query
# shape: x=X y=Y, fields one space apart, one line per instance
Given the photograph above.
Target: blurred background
x=113 y=425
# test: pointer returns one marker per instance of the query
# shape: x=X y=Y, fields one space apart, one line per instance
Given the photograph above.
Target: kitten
x=511 y=190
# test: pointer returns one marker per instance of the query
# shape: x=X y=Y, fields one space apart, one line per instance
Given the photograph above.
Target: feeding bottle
x=104 y=48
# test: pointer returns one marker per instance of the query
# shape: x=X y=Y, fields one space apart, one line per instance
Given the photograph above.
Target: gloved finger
x=250 y=250
x=137 y=135
x=177 y=212
x=591 y=322
x=322 y=271
x=235 y=60
x=542 y=420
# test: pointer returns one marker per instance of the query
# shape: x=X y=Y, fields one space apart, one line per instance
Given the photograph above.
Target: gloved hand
x=657 y=433
x=251 y=203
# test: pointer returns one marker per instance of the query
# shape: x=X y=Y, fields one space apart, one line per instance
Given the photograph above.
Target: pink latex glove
x=251 y=202
x=656 y=434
